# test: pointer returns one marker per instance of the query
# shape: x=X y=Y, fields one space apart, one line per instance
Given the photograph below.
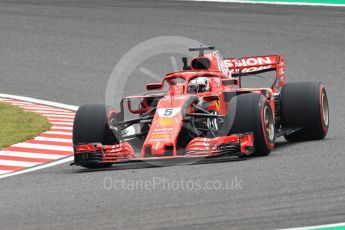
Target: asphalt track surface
x=64 y=51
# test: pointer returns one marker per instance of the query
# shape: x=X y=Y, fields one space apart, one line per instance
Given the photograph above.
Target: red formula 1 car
x=204 y=113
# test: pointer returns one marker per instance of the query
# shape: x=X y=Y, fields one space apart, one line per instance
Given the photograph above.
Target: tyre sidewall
x=249 y=117
x=301 y=107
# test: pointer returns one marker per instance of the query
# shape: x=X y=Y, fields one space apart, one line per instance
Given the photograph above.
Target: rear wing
x=258 y=64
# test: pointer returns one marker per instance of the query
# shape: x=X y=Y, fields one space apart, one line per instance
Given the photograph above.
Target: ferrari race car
x=203 y=113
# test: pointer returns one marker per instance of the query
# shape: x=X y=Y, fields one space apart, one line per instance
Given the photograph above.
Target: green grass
x=17 y=125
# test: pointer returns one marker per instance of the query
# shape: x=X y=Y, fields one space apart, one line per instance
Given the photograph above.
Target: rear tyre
x=305 y=105
x=251 y=112
x=91 y=126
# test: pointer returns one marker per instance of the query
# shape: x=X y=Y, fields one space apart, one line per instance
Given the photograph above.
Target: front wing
x=200 y=147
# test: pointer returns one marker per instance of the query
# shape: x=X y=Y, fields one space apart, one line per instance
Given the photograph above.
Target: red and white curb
x=48 y=148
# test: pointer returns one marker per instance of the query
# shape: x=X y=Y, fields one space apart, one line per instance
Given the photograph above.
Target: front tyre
x=251 y=112
x=304 y=105
x=91 y=126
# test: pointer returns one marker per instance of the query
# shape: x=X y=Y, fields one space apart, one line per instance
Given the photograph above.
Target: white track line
x=42 y=166
x=38 y=101
x=4 y=171
x=30 y=155
x=18 y=163
x=41 y=146
x=270 y=3
x=319 y=227
x=28 y=100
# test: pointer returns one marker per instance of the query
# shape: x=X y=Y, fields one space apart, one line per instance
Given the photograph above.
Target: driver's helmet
x=198 y=85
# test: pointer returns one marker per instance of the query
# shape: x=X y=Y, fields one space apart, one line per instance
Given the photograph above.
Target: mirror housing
x=154 y=86
x=229 y=82
x=141 y=108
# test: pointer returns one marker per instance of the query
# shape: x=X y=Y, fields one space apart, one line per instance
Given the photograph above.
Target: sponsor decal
x=251 y=69
x=160 y=136
x=163 y=130
x=218 y=104
x=163 y=122
x=249 y=64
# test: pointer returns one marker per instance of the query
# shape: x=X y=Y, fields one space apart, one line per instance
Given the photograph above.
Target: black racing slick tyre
x=91 y=126
x=304 y=105
x=253 y=113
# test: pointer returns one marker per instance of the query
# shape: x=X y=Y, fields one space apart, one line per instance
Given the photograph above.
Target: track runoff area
x=333 y=3
x=49 y=148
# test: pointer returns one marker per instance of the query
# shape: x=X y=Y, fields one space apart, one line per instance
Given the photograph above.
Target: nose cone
x=166 y=126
